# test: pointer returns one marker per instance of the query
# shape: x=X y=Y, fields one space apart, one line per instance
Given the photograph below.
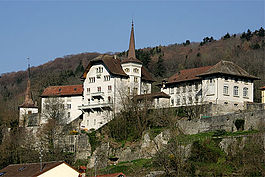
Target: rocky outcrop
x=147 y=148
x=252 y=120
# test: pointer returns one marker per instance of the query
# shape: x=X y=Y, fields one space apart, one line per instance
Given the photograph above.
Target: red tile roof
x=66 y=90
x=28 y=170
x=262 y=88
x=188 y=74
x=112 y=175
x=229 y=68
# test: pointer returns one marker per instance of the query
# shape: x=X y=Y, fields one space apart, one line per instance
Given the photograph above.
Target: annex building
x=224 y=83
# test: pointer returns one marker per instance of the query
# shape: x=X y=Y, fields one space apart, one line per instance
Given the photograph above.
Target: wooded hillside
x=246 y=50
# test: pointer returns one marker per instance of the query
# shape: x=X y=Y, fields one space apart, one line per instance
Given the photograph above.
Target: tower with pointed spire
x=28 y=107
x=133 y=67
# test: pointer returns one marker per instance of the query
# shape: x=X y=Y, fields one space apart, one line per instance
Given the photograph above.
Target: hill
x=246 y=50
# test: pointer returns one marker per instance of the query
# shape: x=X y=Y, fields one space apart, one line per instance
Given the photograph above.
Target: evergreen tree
x=227 y=36
x=79 y=68
x=160 y=68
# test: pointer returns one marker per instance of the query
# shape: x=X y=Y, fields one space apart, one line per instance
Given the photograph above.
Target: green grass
x=186 y=139
x=129 y=167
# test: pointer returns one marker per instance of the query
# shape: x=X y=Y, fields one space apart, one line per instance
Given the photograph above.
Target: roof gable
x=28 y=170
x=229 y=68
x=112 y=65
x=66 y=90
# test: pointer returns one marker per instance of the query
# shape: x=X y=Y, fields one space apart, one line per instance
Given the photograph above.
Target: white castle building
x=109 y=81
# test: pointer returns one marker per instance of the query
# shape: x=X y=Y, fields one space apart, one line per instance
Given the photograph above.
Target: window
x=225 y=90
x=190 y=100
x=190 y=87
x=196 y=87
x=211 y=87
x=109 y=99
x=135 y=90
x=92 y=79
x=99 y=89
x=245 y=92
x=127 y=70
x=136 y=70
x=184 y=100
x=88 y=90
x=129 y=90
x=136 y=79
x=95 y=121
x=226 y=78
x=109 y=88
x=87 y=122
x=88 y=101
x=107 y=78
x=235 y=90
x=29 y=112
x=68 y=106
x=171 y=90
x=100 y=70
x=184 y=89
x=196 y=99
x=178 y=101
x=68 y=115
x=172 y=102
x=236 y=79
x=177 y=90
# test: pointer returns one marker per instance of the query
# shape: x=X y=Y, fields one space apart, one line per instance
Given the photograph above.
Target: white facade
x=69 y=107
x=217 y=90
x=183 y=94
x=104 y=92
x=24 y=112
x=61 y=170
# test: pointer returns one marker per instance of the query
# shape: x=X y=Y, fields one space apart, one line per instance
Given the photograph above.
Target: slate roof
x=28 y=102
x=114 y=67
x=146 y=76
x=188 y=75
x=66 y=90
x=131 y=60
x=28 y=170
x=229 y=68
x=151 y=96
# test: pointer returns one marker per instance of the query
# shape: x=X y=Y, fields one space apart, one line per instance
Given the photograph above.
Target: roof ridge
x=35 y=163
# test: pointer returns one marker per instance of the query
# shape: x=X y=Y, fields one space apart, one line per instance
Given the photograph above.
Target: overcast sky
x=44 y=30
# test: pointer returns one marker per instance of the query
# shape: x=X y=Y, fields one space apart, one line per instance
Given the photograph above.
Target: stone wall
x=252 y=120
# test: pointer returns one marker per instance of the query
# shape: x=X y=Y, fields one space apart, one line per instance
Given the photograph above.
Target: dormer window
x=127 y=70
x=136 y=70
x=60 y=89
